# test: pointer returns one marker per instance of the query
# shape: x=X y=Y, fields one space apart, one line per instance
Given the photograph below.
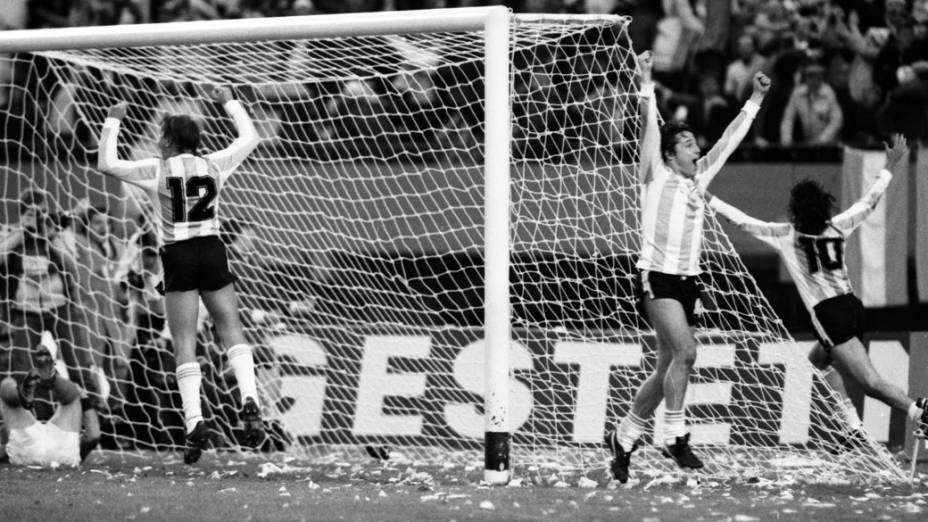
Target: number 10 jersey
x=815 y=262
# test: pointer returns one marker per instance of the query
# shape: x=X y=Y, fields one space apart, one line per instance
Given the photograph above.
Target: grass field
x=233 y=487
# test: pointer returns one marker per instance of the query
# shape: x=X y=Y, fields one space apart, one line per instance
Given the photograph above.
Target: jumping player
x=812 y=248
x=187 y=188
x=673 y=177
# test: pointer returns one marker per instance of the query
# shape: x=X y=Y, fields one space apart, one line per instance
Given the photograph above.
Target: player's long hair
x=669 y=132
x=182 y=131
x=810 y=207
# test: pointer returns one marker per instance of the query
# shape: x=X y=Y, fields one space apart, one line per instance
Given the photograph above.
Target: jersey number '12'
x=825 y=253
x=180 y=191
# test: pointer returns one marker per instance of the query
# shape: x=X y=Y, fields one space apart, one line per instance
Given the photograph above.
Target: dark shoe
x=853 y=440
x=921 y=427
x=87 y=446
x=27 y=388
x=620 y=458
x=682 y=454
x=197 y=440
x=378 y=452
x=254 y=427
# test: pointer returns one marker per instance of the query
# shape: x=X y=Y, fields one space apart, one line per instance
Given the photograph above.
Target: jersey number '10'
x=180 y=192
x=823 y=253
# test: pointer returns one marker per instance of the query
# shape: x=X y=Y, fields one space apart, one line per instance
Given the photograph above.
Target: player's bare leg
x=670 y=324
x=181 y=309
x=623 y=441
x=852 y=361
x=855 y=438
x=223 y=307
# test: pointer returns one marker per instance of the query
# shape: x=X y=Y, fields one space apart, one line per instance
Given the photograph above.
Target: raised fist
x=118 y=111
x=761 y=83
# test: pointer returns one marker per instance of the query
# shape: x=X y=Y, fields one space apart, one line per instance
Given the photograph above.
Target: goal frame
x=495 y=22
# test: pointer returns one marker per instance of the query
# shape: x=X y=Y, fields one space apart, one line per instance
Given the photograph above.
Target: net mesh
x=358 y=245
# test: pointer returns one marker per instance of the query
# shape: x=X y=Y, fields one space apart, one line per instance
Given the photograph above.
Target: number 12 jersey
x=186 y=187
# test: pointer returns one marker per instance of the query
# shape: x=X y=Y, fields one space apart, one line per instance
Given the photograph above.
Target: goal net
x=356 y=231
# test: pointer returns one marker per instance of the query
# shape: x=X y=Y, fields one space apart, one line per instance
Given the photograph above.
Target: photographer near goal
x=186 y=188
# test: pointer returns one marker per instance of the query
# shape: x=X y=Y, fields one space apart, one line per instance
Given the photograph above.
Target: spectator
x=711 y=112
x=12 y=16
x=102 y=296
x=814 y=104
x=901 y=71
x=40 y=285
x=152 y=400
x=645 y=15
x=739 y=73
x=677 y=34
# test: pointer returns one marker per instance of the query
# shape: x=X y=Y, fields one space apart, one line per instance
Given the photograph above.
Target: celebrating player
x=812 y=248
x=673 y=178
x=187 y=187
x=34 y=443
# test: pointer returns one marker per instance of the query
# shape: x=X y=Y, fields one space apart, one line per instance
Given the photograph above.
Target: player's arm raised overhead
x=856 y=213
x=649 y=135
x=763 y=230
x=710 y=164
x=141 y=173
x=232 y=156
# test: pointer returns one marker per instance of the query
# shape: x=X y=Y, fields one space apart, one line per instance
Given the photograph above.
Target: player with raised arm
x=186 y=189
x=812 y=248
x=673 y=177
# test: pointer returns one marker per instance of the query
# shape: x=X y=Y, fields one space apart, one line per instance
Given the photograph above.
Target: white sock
x=674 y=426
x=915 y=413
x=243 y=365
x=850 y=415
x=630 y=430
x=188 y=382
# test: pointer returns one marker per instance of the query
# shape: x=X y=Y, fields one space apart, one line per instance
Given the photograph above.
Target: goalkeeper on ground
x=33 y=443
x=186 y=188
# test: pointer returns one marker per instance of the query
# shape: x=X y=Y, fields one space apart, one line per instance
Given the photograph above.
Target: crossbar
x=248 y=29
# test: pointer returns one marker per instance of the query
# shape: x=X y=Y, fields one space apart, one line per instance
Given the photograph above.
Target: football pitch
x=235 y=486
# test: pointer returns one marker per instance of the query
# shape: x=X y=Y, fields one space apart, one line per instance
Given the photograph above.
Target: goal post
x=434 y=244
x=493 y=21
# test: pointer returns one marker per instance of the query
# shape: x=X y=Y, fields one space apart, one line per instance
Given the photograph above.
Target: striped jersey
x=815 y=262
x=672 y=206
x=185 y=187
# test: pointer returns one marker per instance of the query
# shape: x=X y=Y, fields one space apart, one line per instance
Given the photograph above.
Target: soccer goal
x=434 y=242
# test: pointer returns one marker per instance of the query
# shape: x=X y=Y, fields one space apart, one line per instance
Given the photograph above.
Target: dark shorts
x=198 y=263
x=658 y=285
x=838 y=320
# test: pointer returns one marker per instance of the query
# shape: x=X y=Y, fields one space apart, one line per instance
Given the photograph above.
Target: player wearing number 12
x=186 y=188
x=812 y=248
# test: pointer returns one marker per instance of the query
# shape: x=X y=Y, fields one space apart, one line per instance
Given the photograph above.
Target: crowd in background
x=844 y=71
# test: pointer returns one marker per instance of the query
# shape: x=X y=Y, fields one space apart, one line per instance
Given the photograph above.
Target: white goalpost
x=434 y=243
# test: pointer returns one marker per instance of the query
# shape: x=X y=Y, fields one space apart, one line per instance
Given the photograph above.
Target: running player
x=812 y=248
x=673 y=177
x=187 y=188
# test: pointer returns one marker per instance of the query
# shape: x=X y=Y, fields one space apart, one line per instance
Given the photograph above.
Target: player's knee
x=686 y=355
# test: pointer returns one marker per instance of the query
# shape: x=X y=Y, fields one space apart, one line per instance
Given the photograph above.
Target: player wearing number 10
x=186 y=188
x=812 y=248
